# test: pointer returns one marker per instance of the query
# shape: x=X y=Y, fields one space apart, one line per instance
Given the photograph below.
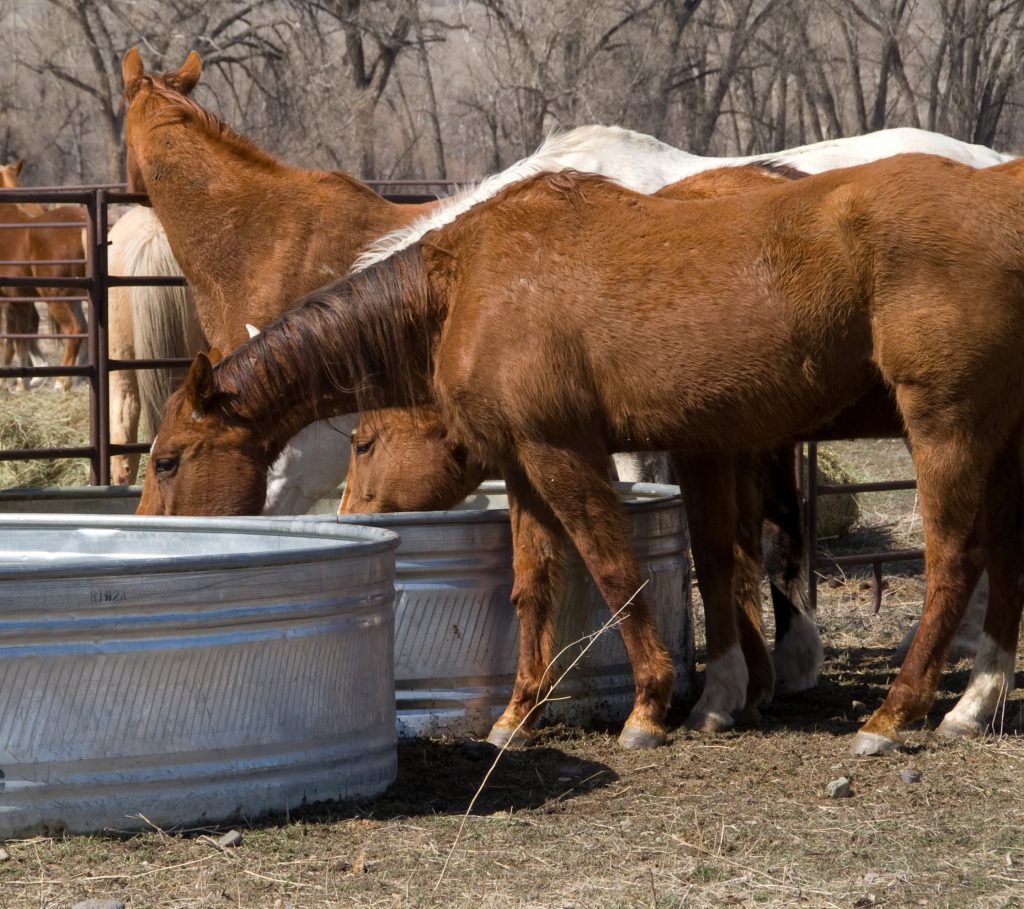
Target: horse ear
x=214 y=355
x=199 y=387
x=187 y=77
x=131 y=67
x=18 y=165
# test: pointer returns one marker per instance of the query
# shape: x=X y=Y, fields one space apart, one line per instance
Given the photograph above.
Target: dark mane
x=774 y=166
x=371 y=334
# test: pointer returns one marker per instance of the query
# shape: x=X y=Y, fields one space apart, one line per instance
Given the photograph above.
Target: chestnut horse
x=252 y=233
x=404 y=460
x=724 y=325
x=47 y=243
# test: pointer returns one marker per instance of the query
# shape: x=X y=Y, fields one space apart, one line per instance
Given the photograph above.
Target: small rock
x=910 y=775
x=839 y=789
x=4 y=855
x=834 y=582
x=99 y=904
x=230 y=839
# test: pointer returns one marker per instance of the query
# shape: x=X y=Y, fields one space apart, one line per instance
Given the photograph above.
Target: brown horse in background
x=725 y=325
x=47 y=244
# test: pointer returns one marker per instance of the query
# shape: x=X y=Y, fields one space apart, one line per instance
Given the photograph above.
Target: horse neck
x=252 y=234
x=375 y=330
x=9 y=181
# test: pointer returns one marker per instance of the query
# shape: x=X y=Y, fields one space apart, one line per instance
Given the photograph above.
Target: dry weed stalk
x=588 y=641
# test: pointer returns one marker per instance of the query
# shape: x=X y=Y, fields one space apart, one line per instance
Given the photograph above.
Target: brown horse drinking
x=569 y=317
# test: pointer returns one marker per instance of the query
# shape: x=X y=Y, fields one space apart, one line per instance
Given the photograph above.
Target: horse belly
x=736 y=380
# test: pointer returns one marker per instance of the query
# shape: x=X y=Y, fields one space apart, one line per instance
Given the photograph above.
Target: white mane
x=645 y=164
x=633 y=159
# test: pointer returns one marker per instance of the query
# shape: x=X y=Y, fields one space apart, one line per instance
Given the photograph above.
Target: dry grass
x=741 y=819
x=44 y=418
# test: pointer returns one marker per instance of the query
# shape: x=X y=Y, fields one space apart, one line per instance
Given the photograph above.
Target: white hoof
x=869 y=743
x=953 y=730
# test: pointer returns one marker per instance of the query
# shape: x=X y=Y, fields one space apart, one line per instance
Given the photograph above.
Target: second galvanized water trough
x=456 y=632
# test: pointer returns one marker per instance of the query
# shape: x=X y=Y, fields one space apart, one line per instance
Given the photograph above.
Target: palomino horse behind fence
x=292 y=230
x=146 y=322
x=729 y=324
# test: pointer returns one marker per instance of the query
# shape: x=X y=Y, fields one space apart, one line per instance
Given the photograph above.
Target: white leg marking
x=991 y=681
x=965 y=644
x=725 y=692
x=799 y=656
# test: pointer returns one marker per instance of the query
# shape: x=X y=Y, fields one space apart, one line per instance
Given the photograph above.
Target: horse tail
x=164 y=319
x=798 y=655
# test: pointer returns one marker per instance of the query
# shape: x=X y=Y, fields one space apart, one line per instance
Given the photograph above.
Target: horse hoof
x=712 y=721
x=955 y=730
x=508 y=736
x=870 y=743
x=635 y=737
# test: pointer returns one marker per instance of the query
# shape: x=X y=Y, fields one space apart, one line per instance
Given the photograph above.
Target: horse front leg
x=538 y=550
x=951 y=478
x=992 y=677
x=66 y=316
x=576 y=487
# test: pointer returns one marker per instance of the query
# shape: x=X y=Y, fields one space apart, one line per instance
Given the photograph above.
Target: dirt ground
x=741 y=819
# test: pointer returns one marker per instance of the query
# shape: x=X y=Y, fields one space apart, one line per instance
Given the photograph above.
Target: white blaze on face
x=252 y=329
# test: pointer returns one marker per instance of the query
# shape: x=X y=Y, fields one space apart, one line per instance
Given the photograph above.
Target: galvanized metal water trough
x=179 y=671
x=456 y=633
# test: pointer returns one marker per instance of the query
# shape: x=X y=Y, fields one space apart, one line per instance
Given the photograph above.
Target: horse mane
x=550 y=157
x=371 y=334
x=179 y=108
x=778 y=167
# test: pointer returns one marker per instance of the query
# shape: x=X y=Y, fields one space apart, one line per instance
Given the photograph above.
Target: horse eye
x=364 y=447
x=165 y=467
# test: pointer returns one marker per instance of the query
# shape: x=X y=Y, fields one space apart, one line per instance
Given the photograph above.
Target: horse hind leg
x=951 y=479
x=798 y=655
x=739 y=674
x=992 y=677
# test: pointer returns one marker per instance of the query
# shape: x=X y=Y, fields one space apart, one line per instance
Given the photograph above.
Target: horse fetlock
x=991 y=682
x=725 y=692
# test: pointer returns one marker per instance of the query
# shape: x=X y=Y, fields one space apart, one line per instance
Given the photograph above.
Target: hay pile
x=836 y=513
x=44 y=419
